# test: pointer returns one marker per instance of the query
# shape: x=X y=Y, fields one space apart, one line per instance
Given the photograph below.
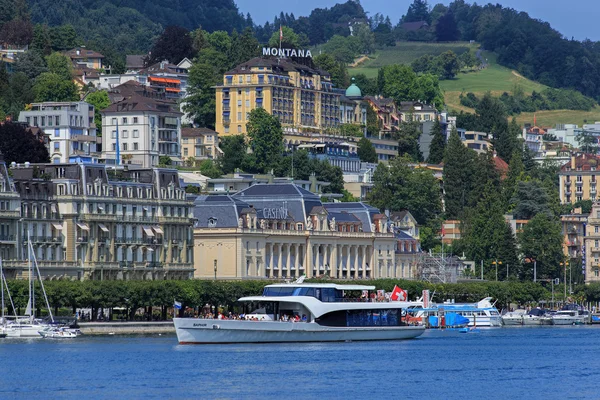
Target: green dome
x=353 y=90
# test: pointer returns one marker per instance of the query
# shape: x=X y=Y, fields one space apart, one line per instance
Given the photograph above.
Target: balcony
x=7 y=238
x=226 y=120
x=82 y=239
x=10 y=214
x=175 y=220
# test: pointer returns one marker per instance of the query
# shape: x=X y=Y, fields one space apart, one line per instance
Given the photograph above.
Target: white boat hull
x=24 y=331
x=484 y=321
x=532 y=320
x=568 y=320
x=512 y=321
x=203 y=331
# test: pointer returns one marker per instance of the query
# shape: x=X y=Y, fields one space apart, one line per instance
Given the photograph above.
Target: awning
x=148 y=231
x=58 y=227
x=83 y=226
x=103 y=227
x=172 y=89
x=100 y=208
x=149 y=249
x=158 y=230
x=155 y=79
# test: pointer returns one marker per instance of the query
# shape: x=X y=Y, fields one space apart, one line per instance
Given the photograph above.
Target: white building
x=147 y=127
x=70 y=126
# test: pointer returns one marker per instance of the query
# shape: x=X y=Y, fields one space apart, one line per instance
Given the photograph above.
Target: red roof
x=501 y=166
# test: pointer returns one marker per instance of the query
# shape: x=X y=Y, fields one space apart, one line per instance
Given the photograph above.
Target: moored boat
x=514 y=317
x=304 y=312
x=568 y=317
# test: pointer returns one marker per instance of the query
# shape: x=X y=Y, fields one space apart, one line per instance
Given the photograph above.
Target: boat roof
x=324 y=285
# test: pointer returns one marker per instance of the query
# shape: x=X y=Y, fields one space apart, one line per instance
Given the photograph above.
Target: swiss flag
x=398 y=294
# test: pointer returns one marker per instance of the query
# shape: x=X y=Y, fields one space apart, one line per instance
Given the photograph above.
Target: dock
x=127 y=328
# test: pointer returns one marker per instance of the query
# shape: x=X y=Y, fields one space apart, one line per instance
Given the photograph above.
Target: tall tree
x=446 y=29
x=31 y=63
x=243 y=47
x=506 y=142
x=99 y=99
x=60 y=65
x=459 y=164
x=542 y=240
x=366 y=151
x=531 y=199
x=516 y=173
x=52 y=87
x=417 y=11
x=438 y=144
x=266 y=139
x=399 y=187
x=234 y=150
x=337 y=70
x=492 y=114
x=19 y=145
x=289 y=38
x=174 y=44
x=408 y=140
x=487 y=236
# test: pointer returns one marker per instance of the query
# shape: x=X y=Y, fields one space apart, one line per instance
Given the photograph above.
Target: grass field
x=494 y=78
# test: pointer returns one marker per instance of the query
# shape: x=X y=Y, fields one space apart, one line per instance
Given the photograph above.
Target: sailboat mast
x=31 y=281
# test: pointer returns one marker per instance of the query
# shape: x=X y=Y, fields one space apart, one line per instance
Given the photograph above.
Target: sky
x=576 y=19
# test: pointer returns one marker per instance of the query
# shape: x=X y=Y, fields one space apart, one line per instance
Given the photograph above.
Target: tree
x=328 y=173
x=531 y=199
x=541 y=240
x=19 y=145
x=408 y=139
x=243 y=47
x=266 y=139
x=448 y=64
x=289 y=40
x=446 y=29
x=234 y=150
x=174 y=44
x=516 y=173
x=417 y=11
x=206 y=73
x=31 y=63
x=366 y=38
x=52 y=87
x=438 y=144
x=210 y=168
x=588 y=143
x=41 y=41
x=486 y=234
x=164 y=161
x=60 y=65
x=491 y=114
x=16 y=32
x=18 y=94
x=337 y=70
x=100 y=101
x=63 y=37
x=366 y=151
x=506 y=141
x=399 y=187
x=459 y=164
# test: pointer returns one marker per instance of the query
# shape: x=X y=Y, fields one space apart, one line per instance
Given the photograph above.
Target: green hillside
x=494 y=78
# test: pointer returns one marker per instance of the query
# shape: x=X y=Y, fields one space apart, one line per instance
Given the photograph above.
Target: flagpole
x=118 y=149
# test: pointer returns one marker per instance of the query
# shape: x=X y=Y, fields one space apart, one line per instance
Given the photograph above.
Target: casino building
x=302 y=97
x=279 y=231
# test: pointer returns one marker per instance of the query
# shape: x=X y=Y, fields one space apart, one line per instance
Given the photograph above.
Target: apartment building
x=89 y=221
x=70 y=128
x=199 y=144
x=148 y=127
x=578 y=178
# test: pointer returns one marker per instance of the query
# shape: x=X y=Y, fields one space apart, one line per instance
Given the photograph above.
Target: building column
x=335 y=267
x=308 y=260
x=271 y=260
x=288 y=260
x=363 y=264
x=356 y=266
x=280 y=259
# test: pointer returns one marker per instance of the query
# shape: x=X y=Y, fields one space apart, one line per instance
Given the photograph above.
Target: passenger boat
x=480 y=314
x=326 y=312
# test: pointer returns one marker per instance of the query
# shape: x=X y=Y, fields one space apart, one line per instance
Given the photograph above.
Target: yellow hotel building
x=302 y=97
x=578 y=178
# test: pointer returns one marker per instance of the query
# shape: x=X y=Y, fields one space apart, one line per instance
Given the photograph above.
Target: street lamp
x=215 y=263
x=496 y=263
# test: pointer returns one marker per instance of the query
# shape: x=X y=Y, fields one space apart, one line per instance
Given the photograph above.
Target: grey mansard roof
x=223 y=209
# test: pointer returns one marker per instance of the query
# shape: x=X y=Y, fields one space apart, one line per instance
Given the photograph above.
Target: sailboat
x=28 y=326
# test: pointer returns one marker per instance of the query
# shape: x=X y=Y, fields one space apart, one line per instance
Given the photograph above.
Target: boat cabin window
x=326 y=295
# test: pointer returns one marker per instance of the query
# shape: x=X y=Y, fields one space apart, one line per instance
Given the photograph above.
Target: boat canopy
x=322 y=286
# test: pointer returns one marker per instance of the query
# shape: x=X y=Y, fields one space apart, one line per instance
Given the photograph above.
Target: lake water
x=503 y=363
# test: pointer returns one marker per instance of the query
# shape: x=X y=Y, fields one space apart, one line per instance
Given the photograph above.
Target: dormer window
x=212 y=222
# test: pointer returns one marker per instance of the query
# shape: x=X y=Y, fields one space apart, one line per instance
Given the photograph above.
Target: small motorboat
x=514 y=317
x=536 y=316
x=57 y=333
